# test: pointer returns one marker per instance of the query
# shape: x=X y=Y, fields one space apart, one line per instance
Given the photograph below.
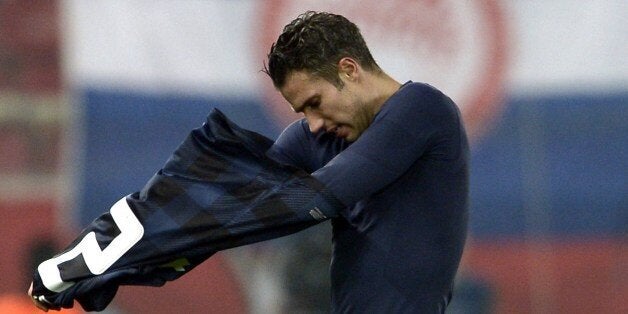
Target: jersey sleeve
x=217 y=191
x=417 y=122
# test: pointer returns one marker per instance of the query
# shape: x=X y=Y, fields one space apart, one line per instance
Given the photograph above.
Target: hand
x=42 y=306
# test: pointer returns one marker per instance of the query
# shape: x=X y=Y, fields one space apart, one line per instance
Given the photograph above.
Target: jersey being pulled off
x=217 y=191
x=397 y=246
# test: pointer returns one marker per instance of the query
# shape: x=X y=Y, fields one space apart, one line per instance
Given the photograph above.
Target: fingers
x=40 y=305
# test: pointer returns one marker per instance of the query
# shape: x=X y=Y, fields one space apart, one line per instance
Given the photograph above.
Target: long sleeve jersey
x=398 y=242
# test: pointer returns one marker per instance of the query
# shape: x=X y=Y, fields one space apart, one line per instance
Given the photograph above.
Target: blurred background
x=95 y=95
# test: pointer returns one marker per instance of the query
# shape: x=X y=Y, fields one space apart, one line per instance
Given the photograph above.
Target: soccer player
x=386 y=162
x=395 y=154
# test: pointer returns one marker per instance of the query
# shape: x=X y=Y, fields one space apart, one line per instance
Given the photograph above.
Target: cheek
x=348 y=104
x=342 y=108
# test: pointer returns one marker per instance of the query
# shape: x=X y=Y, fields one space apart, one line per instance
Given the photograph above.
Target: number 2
x=97 y=260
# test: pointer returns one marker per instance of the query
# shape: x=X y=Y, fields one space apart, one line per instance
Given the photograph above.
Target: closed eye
x=311 y=103
x=315 y=103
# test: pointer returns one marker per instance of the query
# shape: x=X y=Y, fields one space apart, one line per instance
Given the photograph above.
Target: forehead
x=300 y=86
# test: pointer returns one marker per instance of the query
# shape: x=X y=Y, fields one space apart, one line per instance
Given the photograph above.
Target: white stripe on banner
x=568 y=46
x=212 y=45
x=183 y=46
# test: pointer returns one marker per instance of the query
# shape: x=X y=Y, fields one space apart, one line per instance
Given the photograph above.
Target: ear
x=348 y=69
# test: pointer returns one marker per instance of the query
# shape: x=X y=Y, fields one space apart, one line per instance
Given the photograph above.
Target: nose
x=315 y=122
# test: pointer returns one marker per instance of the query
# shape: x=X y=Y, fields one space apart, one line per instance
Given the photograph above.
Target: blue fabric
x=398 y=243
x=217 y=191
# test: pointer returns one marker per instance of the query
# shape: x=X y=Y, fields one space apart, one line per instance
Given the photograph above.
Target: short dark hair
x=315 y=42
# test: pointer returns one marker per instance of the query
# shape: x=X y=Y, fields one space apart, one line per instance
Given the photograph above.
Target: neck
x=381 y=87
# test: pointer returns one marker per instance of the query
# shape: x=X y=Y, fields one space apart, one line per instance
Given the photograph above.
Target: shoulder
x=299 y=147
x=290 y=146
x=297 y=129
x=419 y=104
x=419 y=96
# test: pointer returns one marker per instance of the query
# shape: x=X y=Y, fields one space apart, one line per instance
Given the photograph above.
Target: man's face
x=326 y=107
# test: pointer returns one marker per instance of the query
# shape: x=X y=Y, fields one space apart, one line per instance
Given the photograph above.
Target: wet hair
x=316 y=42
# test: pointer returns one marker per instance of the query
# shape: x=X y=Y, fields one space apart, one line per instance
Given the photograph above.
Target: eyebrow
x=307 y=102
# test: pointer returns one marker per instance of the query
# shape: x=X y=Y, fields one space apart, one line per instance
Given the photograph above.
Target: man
x=398 y=242
x=388 y=165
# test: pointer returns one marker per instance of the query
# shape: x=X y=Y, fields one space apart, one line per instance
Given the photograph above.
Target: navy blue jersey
x=217 y=191
x=398 y=242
